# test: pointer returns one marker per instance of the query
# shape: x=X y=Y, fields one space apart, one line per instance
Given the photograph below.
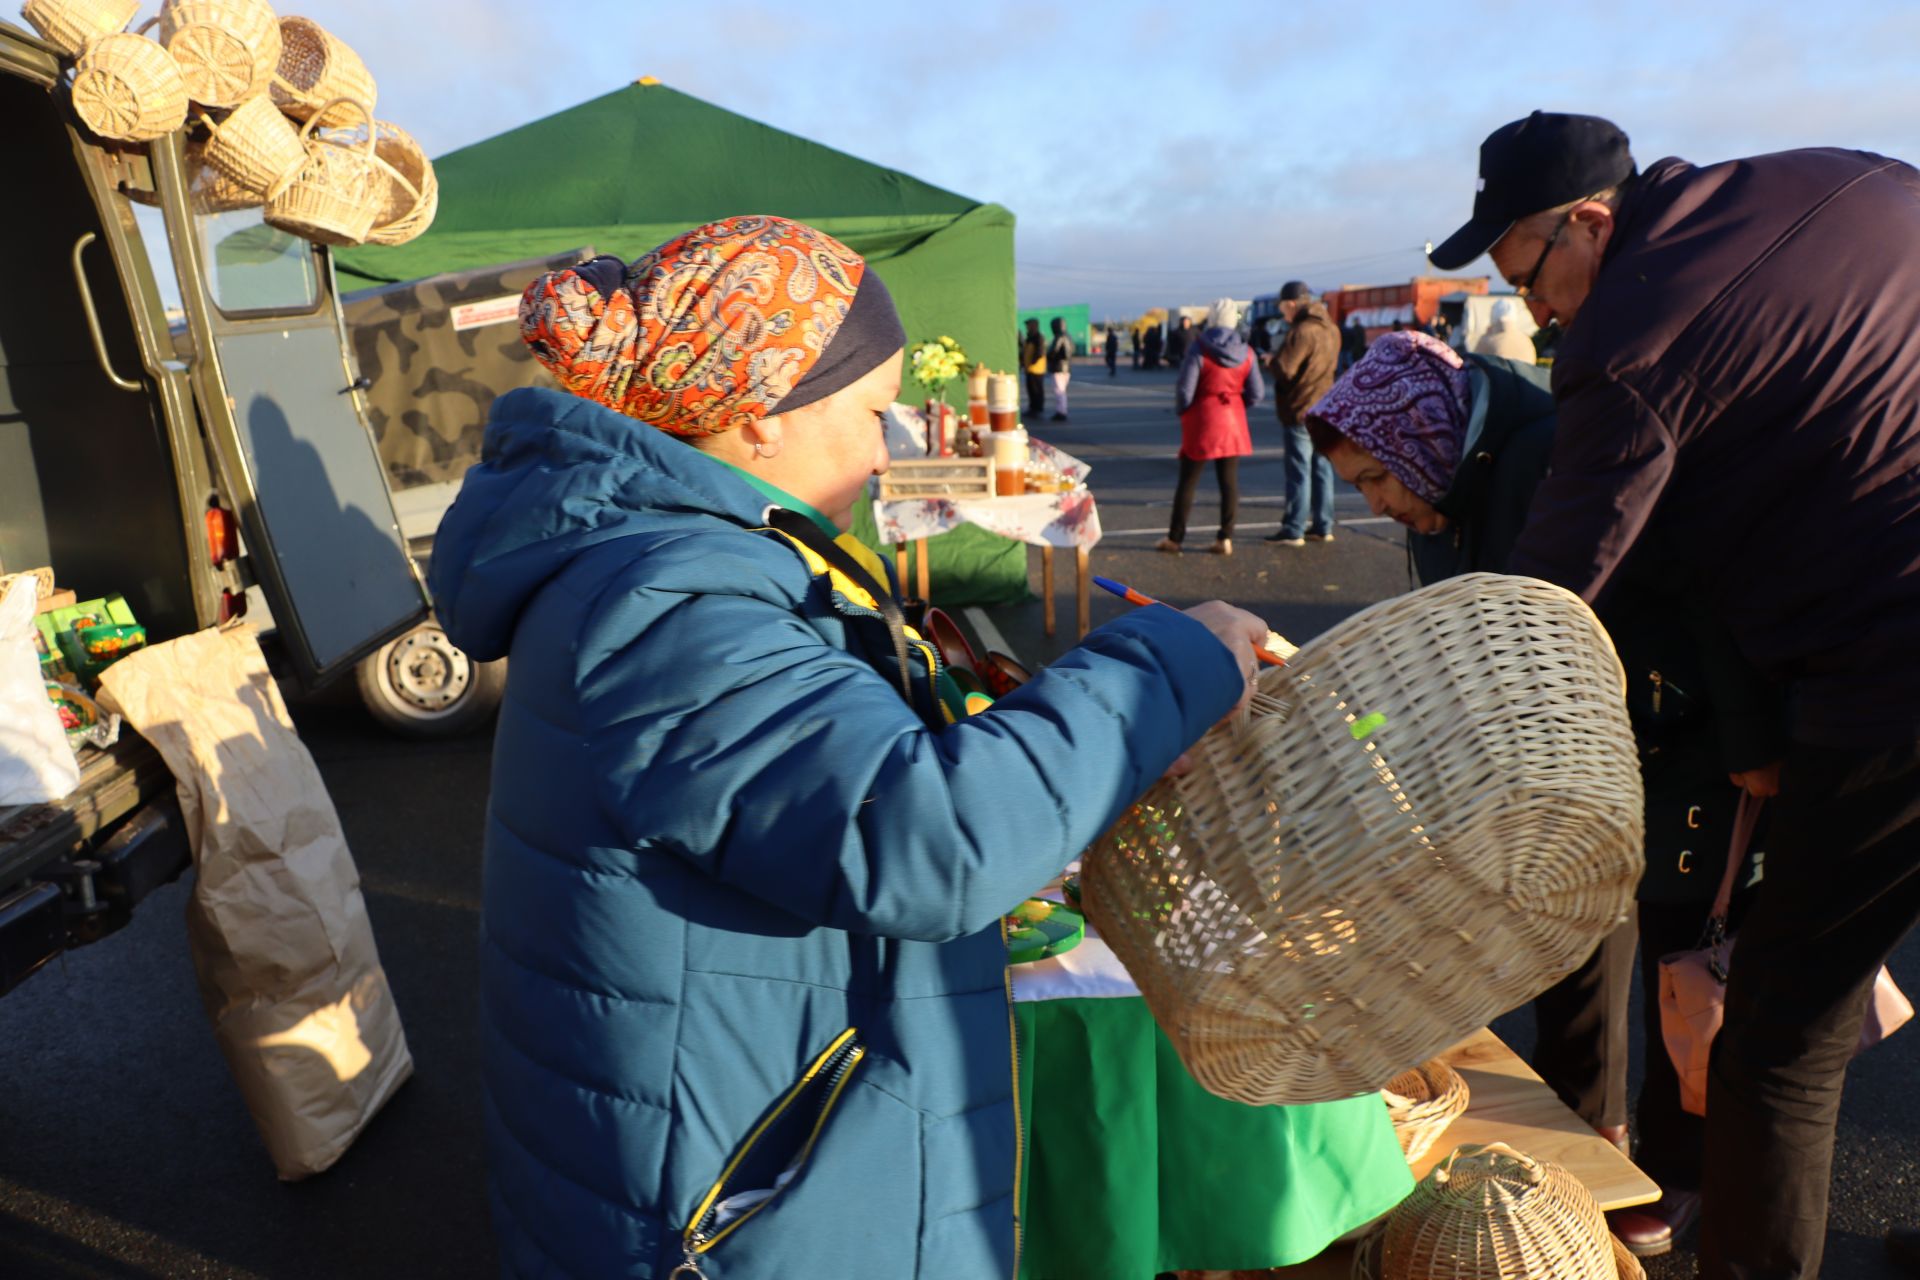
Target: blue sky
x=1164 y=153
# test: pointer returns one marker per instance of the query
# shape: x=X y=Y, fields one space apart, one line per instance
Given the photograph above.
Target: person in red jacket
x=1739 y=400
x=1219 y=381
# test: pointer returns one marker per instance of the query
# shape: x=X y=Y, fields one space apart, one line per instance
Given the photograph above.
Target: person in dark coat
x=1110 y=347
x=1133 y=343
x=1219 y=381
x=1773 y=463
x=1178 y=340
x=1033 y=363
x=744 y=1001
x=1353 y=342
x=1454 y=448
x=1156 y=339
x=1302 y=369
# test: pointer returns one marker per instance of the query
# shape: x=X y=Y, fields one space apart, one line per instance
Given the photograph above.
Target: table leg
x=1046 y=583
x=900 y=569
x=1085 y=605
x=920 y=560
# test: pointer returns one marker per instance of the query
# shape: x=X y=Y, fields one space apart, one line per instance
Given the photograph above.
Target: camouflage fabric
x=433 y=381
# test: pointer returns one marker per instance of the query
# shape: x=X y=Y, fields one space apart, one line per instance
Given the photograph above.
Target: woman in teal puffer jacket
x=745 y=1009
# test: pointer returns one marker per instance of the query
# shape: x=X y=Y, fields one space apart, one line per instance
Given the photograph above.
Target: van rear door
x=283 y=413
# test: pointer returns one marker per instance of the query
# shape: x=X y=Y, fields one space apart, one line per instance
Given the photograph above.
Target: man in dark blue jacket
x=1738 y=381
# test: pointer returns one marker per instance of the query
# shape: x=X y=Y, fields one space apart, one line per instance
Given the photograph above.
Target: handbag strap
x=1745 y=819
x=803 y=530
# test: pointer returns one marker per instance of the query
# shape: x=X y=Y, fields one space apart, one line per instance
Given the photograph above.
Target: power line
x=1266 y=269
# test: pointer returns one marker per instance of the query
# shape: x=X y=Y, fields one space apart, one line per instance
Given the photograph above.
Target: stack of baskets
x=1422 y=1103
x=1493 y=1213
x=1430 y=815
x=287 y=110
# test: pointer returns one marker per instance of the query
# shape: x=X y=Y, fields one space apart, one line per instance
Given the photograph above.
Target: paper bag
x=287 y=966
x=36 y=764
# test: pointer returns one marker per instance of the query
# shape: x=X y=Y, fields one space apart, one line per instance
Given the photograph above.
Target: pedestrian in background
x=1133 y=343
x=1219 y=381
x=1060 y=367
x=1504 y=337
x=1690 y=417
x=1111 y=349
x=1178 y=341
x=1155 y=344
x=1303 y=370
x=1033 y=362
x=1353 y=342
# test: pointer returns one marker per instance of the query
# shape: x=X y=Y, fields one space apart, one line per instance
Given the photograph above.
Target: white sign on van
x=474 y=315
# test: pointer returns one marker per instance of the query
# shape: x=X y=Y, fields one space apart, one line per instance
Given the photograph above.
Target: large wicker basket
x=256 y=147
x=337 y=193
x=1431 y=815
x=317 y=69
x=67 y=25
x=228 y=50
x=127 y=88
x=211 y=191
x=1493 y=1213
x=1422 y=1103
x=410 y=193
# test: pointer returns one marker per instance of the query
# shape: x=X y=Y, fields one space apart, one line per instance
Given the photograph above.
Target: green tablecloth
x=1133 y=1169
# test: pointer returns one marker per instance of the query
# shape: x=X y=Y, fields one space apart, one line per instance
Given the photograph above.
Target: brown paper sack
x=279 y=933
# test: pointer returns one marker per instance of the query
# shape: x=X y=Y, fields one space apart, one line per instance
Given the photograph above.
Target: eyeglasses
x=1522 y=291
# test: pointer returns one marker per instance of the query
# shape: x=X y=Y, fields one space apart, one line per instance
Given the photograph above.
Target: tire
x=420 y=686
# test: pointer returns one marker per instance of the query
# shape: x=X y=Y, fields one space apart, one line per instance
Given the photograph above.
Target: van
x=135 y=425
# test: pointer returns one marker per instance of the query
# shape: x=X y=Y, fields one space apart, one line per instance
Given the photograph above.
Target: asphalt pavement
x=125 y=1150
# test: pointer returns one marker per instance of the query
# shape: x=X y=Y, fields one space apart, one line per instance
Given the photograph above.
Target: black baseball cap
x=1294 y=290
x=1545 y=160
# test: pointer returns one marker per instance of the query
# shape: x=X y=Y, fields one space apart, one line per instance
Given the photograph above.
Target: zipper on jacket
x=1019 y=1133
x=829 y=1073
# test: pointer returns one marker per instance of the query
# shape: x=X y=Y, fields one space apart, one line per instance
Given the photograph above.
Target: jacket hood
x=559 y=476
x=1224 y=347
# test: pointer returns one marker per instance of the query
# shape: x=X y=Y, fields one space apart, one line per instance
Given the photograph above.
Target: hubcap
x=426 y=673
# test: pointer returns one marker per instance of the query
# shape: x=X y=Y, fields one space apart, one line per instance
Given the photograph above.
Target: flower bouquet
x=936 y=364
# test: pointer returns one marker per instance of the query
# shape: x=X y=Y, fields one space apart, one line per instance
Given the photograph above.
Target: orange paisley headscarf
x=712 y=330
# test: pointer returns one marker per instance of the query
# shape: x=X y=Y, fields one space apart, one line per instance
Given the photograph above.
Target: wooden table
x=1507 y=1102
x=1083 y=605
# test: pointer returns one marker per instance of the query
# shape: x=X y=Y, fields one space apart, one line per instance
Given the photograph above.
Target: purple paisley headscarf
x=1405 y=402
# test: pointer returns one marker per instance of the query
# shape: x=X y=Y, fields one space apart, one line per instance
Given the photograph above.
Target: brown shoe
x=1222 y=547
x=1650 y=1229
x=1167 y=545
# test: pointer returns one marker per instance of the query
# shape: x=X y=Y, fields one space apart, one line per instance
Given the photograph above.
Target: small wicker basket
x=67 y=25
x=228 y=50
x=410 y=191
x=1493 y=1213
x=256 y=147
x=128 y=88
x=338 y=191
x=1422 y=1103
x=317 y=70
x=211 y=191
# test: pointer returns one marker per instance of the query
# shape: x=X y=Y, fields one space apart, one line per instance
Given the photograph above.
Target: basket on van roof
x=337 y=193
x=409 y=191
x=256 y=147
x=67 y=25
x=317 y=70
x=128 y=88
x=228 y=50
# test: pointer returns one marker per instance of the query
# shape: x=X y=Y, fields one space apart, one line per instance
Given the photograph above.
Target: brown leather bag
x=1693 y=984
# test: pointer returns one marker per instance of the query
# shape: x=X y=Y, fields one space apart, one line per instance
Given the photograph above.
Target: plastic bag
x=36 y=765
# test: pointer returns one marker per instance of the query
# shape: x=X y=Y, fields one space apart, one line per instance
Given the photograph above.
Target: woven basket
x=1493 y=1213
x=1430 y=815
x=410 y=191
x=1422 y=1103
x=211 y=191
x=67 y=25
x=127 y=88
x=256 y=147
x=228 y=50
x=337 y=193
x=316 y=70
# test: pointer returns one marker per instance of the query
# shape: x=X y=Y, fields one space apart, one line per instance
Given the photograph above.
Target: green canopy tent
x=629 y=170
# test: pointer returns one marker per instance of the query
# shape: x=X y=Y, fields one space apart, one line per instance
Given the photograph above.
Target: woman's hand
x=1758 y=783
x=1237 y=629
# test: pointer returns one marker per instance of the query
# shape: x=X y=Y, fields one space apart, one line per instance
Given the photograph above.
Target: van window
x=253 y=267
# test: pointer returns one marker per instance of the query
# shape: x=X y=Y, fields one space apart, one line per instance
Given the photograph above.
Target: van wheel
x=421 y=686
